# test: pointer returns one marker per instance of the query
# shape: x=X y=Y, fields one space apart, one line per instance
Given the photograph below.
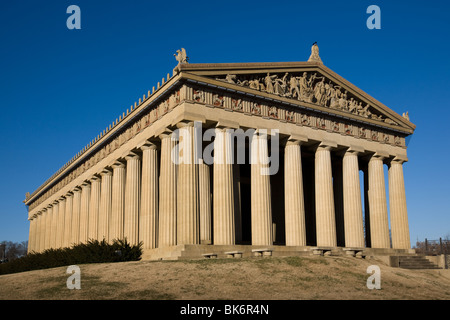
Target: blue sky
x=60 y=88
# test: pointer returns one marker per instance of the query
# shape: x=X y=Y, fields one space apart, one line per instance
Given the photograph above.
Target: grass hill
x=268 y=278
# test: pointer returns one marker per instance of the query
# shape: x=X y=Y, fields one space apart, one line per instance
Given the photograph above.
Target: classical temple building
x=235 y=159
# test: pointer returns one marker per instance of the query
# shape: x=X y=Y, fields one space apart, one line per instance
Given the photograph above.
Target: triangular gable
x=308 y=84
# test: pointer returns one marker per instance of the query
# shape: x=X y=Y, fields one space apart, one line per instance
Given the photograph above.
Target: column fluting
x=223 y=193
x=118 y=202
x=148 y=219
x=379 y=224
x=105 y=207
x=76 y=216
x=397 y=205
x=132 y=198
x=68 y=220
x=294 y=199
x=187 y=187
x=204 y=182
x=84 y=211
x=261 y=210
x=325 y=211
x=94 y=207
x=353 y=215
x=167 y=227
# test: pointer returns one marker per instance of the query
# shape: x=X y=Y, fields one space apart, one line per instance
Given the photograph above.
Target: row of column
x=132 y=200
x=352 y=204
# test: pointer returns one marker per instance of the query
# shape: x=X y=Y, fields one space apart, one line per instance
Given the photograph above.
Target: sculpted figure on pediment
x=390 y=121
x=319 y=91
x=306 y=92
x=268 y=81
x=294 y=87
x=280 y=85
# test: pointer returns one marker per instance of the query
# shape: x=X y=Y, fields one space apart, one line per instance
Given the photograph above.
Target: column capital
x=379 y=155
x=227 y=124
x=148 y=145
x=354 y=150
x=326 y=145
x=85 y=183
x=399 y=159
x=95 y=177
x=165 y=133
x=69 y=194
x=131 y=155
x=106 y=172
x=185 y=123
x=118 y=164
x=296 y=139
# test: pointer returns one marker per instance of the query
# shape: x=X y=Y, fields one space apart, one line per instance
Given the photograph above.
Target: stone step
x=416 y=262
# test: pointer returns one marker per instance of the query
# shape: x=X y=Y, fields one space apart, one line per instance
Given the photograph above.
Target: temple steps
x=416 y=262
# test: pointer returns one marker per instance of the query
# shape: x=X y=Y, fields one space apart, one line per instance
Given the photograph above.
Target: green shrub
x=93 y=251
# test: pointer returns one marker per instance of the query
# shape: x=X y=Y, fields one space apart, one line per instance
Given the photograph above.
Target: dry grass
x=292 y=278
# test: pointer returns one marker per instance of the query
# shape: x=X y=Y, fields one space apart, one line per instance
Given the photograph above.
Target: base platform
x=207 y=251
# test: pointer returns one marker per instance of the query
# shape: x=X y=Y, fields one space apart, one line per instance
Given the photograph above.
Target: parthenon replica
x=236 y=159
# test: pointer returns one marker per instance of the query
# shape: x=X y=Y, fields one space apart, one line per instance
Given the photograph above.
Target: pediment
x=306 y=84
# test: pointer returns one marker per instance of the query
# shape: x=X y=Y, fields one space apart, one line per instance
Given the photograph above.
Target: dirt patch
x=269 y=278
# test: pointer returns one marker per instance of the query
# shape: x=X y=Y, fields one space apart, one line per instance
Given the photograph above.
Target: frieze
x=287 y=114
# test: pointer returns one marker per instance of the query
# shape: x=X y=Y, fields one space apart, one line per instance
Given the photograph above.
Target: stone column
x=167 y=233
x=31 y=234
x=294 y=200
x=379 y=224
x=94 y=207
x=37 y=234
x=325 y=214
x=68 y=220
x=118 y=202
x=42 y=229
x=76 y=216
x=148 y=219
x=204 y=182
x=187 y=187
x=353 y=219
x=132 y=198
x=261 y=211
x=48 y=227
x=105 y=205
x=84 y=211
x=223 y=191
x=397 y=204
x=55 y=216
x=61 y=219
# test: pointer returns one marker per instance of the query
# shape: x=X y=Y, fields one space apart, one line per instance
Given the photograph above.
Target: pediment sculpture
x=308 y=87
